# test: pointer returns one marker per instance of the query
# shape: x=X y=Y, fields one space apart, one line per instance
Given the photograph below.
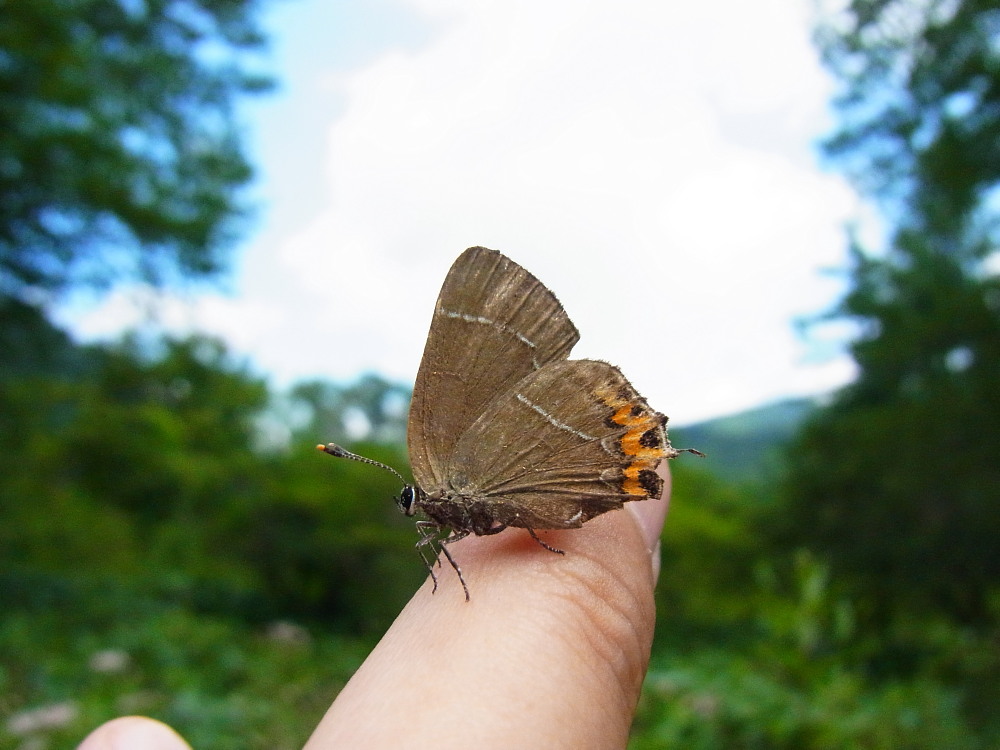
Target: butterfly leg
x=428 y=530
x=454 y=537
x=548 y=547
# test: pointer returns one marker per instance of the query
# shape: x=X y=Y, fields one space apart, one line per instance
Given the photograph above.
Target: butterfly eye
x=406 y=500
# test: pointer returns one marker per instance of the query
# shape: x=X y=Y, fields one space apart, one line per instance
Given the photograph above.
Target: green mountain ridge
x=746 y=446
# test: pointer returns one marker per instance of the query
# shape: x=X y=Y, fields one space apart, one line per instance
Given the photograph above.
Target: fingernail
x=132 y=732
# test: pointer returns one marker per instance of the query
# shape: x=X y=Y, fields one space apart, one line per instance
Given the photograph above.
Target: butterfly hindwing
x=570 y=441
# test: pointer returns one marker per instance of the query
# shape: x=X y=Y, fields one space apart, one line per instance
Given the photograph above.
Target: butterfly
x=506 y=431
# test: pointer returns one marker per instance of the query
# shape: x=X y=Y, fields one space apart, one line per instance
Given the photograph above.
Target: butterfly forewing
x=494 y=323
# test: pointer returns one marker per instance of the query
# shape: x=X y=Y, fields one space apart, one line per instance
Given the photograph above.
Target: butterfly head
x=408 y=500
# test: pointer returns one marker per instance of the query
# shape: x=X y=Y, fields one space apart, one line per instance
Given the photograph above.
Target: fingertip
x=130 y=732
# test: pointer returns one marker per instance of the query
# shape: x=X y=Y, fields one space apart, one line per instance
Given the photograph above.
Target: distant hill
x=746 y=446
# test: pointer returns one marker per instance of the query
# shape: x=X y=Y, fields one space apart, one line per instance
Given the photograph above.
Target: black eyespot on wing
x=651 y=438
x=651 y=482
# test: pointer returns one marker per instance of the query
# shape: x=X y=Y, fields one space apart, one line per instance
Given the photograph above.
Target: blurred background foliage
x=171 y=544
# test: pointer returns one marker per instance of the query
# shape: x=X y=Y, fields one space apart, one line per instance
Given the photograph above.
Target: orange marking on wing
x=643 y=457
x=631 y=484
x=621 y=414
x=632 y=487
x=632 y=440
x=611 y=398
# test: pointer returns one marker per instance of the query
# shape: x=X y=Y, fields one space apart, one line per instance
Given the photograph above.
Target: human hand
x=551 y=651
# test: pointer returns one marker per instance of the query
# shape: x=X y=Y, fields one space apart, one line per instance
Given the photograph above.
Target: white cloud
x=650 y=162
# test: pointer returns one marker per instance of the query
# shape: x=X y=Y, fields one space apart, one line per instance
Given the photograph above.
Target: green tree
x=120 y=154
x=371 y=408
x=143 y=441
x=898 y=480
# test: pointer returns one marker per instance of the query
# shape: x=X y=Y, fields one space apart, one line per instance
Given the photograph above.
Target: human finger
x=550 y=652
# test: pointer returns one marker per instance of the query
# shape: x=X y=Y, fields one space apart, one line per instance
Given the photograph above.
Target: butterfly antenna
x=335 y=450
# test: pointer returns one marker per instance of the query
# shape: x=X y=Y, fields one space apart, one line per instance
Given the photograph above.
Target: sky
x=655 y=164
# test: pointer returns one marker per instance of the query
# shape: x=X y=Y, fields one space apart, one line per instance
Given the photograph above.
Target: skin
x=550 y=652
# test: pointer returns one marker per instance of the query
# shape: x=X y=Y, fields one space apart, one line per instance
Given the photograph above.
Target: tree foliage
x=120 y=152
x=920 y=112
x=899 y=476
x=144 y=470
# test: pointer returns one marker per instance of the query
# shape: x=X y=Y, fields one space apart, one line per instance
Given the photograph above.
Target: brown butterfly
x=504 y=430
